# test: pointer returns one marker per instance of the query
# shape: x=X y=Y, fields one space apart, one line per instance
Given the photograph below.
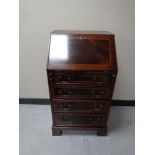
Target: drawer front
x=79 y=120
x=81 y=92
x=81 y=78
x=81 y=105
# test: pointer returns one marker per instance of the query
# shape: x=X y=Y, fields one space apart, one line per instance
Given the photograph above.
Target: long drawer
x=80 y=77
x=75 y=105
x=81 y=92
x=63 y=119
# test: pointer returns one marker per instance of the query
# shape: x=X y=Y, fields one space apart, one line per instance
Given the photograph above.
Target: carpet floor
x=35 y=135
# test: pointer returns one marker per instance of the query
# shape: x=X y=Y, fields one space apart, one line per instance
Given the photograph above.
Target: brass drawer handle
x=66 y=119
x=99 y=79
x=96 y=120
x=98 y=106
x=66 y=107
x=68 y=92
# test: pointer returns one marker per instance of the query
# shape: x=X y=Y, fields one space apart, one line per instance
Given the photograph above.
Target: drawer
x=81 y=78
x=78 y=77
x=63 y=119
x=81 y=105
x=81 y=92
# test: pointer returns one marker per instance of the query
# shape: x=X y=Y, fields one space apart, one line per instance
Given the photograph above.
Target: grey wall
x=39 y=17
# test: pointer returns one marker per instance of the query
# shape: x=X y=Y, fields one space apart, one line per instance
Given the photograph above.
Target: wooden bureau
x=81 y=71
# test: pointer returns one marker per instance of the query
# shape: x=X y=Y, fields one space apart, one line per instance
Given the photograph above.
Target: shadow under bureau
x=81 y=71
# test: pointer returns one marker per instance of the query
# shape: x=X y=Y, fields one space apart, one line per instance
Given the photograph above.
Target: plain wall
x=39 y=17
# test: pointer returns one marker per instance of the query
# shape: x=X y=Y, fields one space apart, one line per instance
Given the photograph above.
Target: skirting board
x=47 y=102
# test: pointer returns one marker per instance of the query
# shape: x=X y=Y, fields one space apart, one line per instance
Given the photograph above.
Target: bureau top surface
x=82 y=50
x=81 y=32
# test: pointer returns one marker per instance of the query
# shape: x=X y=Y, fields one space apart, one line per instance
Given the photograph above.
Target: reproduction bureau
x=81 y=71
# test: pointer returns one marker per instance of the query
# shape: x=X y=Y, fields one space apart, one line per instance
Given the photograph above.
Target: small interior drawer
x=62 y=119
x=80 y=105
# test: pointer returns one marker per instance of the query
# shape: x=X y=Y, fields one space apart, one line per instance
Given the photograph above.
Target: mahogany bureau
x=81 y=71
